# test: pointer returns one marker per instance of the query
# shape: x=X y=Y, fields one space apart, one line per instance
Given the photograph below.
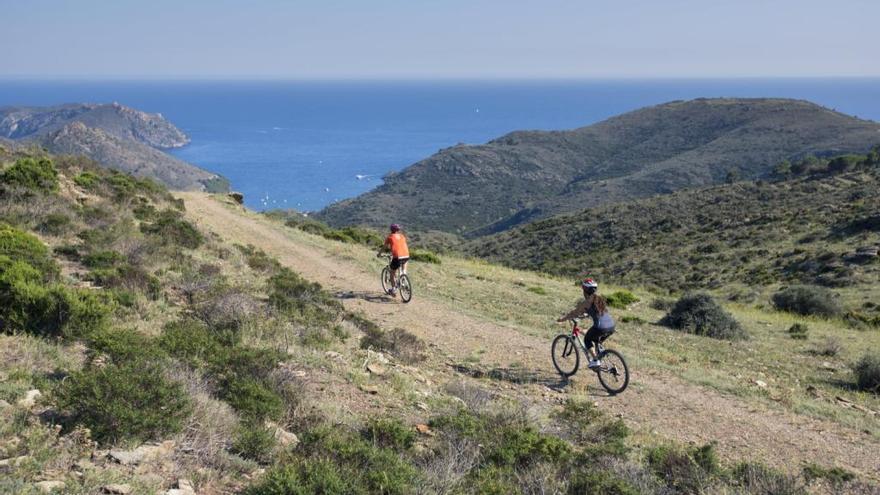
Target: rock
x=424 y=430
x=237 y=197
x=422 y=406
x=7 y=465
x=49 y=486
x=142 y=453
x=334 y=355
x=183 y=487
x=827 y=366
x=30 y=398
x=282 y=436
x=116 y=489
x=4 y=404
x=376 y=369
x=377 y=356
x=370 y=389
x=760 y=383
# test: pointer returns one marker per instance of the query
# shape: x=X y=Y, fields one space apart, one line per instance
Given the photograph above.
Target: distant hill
x=114 y=135
x=820 y=228
x=527 y=175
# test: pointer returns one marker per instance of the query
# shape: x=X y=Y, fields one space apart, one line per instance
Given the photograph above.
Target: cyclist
x=396 y=243
x=596 y=307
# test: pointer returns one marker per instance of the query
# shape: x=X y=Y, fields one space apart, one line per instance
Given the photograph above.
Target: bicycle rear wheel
x=613 y=373
x=565 y=356
x=386 y=280
x=405 y=288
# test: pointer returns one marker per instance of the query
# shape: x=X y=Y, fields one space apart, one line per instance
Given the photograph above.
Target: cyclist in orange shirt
x=396 y=243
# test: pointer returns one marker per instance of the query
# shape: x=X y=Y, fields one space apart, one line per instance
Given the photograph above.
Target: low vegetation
x=700 y=314
x=805 y=300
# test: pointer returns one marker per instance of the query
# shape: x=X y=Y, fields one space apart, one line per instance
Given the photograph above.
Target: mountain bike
x=612 y=371
x=401 y=285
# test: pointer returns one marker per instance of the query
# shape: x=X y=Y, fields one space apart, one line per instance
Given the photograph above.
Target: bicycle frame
x=576 y=333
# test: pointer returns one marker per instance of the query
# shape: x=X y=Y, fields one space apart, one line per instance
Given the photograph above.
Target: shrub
x=662 y=304
x=521 y=446
x=34 y=174
x=255 y=442
x=190 y=341
x=424 y=256
x=621 y=299
x=21 y=246
x=258 y=260
x=867 y=372
x=389 y=433
x=122 y=344
x=54 y=224
x=688 y=471
x=128 y=277
x=537 y=290
x=306 y=477
x=26 y=305
x=798 y=331
x=599 y=481
x=758 y=478
x=170 y=228
x=805 y=300
x=701 y=315
x=829 y=347
x=401 y=344
x=102 y=259
x=836 y=475
x=133 y=400
x=86 y=180
x=292 y=294
x=252 y=399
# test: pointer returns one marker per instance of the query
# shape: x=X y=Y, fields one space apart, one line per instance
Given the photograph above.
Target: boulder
x=237 y=197
x=142 y=453
x=183 y=487
x=30 y=398
x=49 y=486
x=116 y=489
x=7 y=465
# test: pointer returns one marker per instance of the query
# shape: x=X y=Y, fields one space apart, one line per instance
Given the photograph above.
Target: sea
x=307 y=144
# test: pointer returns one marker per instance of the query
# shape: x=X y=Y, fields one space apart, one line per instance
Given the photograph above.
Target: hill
x=818 y=227
x=113 y=135
x=152 y=343
x=526 y=175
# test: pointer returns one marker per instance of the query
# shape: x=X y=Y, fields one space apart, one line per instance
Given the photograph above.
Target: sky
x=420 y=39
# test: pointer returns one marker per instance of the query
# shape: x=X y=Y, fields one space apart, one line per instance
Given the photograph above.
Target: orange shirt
x=397 y=243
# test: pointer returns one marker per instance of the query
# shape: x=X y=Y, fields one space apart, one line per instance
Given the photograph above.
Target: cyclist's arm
x=578 y=311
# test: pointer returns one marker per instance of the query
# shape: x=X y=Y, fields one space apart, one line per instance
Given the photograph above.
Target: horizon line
x=264 y=78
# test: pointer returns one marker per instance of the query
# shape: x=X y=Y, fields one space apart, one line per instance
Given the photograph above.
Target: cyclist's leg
x=395 y=265
x=590 y=338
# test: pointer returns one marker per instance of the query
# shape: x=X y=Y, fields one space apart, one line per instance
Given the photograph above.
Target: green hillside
x=819 y=226
x=528 y=175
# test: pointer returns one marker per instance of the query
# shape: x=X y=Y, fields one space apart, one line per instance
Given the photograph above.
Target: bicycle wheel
x=386 y=280
x=565 y=356
x=405 y=288
x=613 y=373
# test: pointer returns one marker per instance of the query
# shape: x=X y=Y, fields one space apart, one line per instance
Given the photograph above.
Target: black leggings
x=597 y=335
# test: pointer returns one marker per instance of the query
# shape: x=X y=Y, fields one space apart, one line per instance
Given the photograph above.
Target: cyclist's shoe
x=392 y=292
x=594 y=363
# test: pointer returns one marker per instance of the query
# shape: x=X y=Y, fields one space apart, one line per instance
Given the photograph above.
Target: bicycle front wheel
x=613 y=373
x=405 y=288
x=565 y=356
x=386 y=280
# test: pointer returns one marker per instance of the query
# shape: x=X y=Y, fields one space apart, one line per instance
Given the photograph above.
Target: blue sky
x=440 y=39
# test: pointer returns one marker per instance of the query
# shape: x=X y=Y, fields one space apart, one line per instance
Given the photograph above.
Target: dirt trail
x=656 y=401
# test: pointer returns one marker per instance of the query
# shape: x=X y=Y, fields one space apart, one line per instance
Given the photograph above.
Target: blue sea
x=304 y=145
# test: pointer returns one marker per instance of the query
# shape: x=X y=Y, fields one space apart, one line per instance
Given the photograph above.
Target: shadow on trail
x=517 y=375
x=373 y=297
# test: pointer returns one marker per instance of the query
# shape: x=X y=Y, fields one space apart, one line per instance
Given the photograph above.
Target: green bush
x=798 y=331
x=27 y=305
x=133 y=400
x=522 y=446
x=258 y=260
x=835 y=475
x=192 y=342
x=86 y=180
x=171 y=229
x=867 y=372
x=255 y=442
x=699 y=314
x=122 y=344
x=102 y=259
x=128 y=277
x=34 y=174
x=806 y=300
x=621 y=299
x=293 y=295
x=307 y=477
x=252 y=399
x=54 y=224
x=599 y=481
x=661 y=304
x=537 y=290
x=686 y=470
x=389 y=433
x=424 y=256
x=22 y=246
x=760 y=479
